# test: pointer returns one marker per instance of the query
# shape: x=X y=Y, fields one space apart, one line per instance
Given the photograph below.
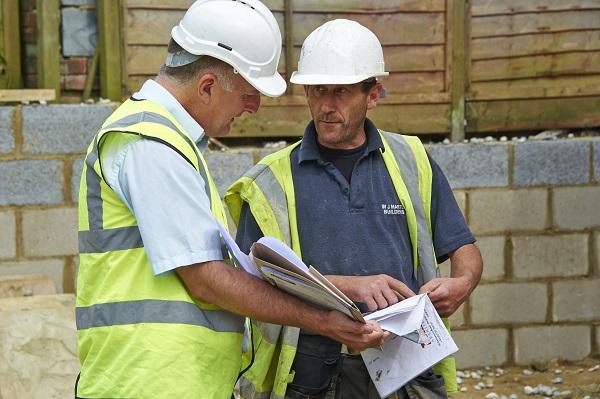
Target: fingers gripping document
x=418 y=341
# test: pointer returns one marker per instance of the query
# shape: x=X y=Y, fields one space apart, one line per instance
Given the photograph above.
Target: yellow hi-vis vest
x=268 y=189
x=141 y=335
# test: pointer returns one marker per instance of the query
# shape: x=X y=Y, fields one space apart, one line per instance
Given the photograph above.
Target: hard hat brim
x=271 y=86
x=314 y=79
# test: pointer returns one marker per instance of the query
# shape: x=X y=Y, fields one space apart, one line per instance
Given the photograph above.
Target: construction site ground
x=563 y=379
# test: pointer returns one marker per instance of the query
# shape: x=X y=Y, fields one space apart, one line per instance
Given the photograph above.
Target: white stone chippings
x=527 y=372
x=464 y=389
x=503 y=138
x=459 y=380
x=557 y=380
x=596 y=367
x=513 y=396
x=492 y=395
x=557 y=371
x=529 y=390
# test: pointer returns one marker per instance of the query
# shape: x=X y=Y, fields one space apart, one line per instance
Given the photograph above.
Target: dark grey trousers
x=348 y=379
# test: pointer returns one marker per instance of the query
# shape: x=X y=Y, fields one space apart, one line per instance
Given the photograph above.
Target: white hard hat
x=339 y=52
x=243 y=34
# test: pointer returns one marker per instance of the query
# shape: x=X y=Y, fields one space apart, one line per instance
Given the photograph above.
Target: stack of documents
x=418 y=340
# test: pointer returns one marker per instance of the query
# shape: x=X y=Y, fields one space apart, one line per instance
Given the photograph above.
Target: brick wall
x=534 y=207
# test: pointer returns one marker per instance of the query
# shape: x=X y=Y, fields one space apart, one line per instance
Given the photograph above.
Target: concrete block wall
x=534 y=208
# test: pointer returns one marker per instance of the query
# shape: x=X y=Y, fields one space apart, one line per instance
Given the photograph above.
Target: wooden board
x=519 y=24
x=492 y=7
x=576 y=63
x=511 y=115
x=146 y=59
x=400 y=28
x=567 y=86
x=315 y=5
x=534 y=44
x=290 y=121
x=360 y=6
x=18 y=95
x=10 y=42
x=110 y=50
x=48 y=44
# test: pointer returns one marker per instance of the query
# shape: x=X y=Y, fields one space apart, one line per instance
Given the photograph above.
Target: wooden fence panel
x=483 y=62
x=533 y=65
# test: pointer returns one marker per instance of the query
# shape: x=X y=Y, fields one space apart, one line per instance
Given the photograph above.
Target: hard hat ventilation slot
x=226 y=47
x=246 y=4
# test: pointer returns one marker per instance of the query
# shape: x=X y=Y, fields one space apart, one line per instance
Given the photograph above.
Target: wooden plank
x=109 y=43
x=534 y=23
x=398 y=58
x=18 y=95
x=91 y=75
x=299 y=100
x=360 y=6
x=160 y=4
x=26 y=285
x=11 y=77
x=533 y=44
x=569 y=86
x=48 y=45
x=491 y=7
x=421 y=83
x=422 y=28
x=144 y=60
x=289 y=43
x=459 y=63
x=579 y=63
x=514 y=115
x=150 y=26
x=290 y=121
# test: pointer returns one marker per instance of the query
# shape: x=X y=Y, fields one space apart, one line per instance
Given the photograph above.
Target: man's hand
x=447 y=294
x=377 y=291
x=353 y=334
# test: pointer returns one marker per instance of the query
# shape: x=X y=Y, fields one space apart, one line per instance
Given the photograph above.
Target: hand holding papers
x=420 y=341
x=419 y=338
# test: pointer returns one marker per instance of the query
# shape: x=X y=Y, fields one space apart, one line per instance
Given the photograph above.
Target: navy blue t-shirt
x=360 y=228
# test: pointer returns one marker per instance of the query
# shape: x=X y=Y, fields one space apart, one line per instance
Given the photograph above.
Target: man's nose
x=328 y=104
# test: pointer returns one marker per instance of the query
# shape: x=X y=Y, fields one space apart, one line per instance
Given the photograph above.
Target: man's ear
x=206 y=86
x=373 y=95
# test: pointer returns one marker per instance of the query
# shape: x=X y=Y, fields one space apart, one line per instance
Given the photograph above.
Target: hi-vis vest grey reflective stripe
x=100 y=240
x=273 y=192
x=97 y=239
x=155 y=311
x=405 y=158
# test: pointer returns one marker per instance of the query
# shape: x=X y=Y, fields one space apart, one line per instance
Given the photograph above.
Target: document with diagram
x=419 y=340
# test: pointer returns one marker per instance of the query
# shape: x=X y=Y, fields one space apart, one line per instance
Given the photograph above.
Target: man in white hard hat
x=159 y=314
x=368 y=208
